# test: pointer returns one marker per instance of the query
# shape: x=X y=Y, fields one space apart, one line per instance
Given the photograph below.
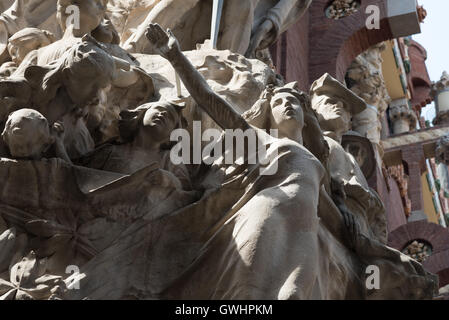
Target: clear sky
x=434 y=38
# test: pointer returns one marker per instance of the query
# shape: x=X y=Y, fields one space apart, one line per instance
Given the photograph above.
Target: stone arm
x=287 y=12
x=215 y=106
x=277 y=20
x=57 y=131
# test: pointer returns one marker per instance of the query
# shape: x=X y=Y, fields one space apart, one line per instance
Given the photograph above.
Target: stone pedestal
x=440 y=93
x=402 y=117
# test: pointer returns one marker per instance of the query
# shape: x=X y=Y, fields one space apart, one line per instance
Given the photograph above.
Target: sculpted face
x=25 y=41
x=287 y=113
x=91 y=14
x=87 y=72
x=332 y=114
x=159 y=121
x=27 y=134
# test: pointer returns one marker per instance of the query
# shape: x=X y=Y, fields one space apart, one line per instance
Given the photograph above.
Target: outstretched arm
x=216 y=107
x=278 y=19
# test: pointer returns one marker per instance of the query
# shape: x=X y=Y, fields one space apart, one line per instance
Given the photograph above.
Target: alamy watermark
x=373 y=277
x=373 y=20
x=74 y=17
x=74 y=283
x=231 y=147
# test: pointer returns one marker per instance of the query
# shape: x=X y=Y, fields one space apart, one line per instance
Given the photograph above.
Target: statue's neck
x=295 y=135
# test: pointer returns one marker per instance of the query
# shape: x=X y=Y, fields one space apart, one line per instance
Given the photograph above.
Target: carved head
x=27 y=134
x=91 y=13
x=335 y=104
x=27 y=40
x=278 y=108
x=288 y=110
x=82 y=71
x=152 y=122
x=85 y=70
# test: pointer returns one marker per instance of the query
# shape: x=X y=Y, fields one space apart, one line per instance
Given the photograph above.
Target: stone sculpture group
x=91 y=205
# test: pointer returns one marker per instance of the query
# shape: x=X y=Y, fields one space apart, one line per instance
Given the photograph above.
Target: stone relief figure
x=130 y=85
x=21 y=44
x=228 y=236
x=128 y=15
x=278 y=109
x=335 y=106
x=361 y=207
x=229 y=205
x=56 y=90
x=175 y=229
x=92 y=20
x=25 y=41
x=246 y=27
x=91 y=14
x=26 y=13
x=145 y=134
x=28 y=136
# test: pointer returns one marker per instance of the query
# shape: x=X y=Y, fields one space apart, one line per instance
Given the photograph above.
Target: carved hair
x=260 y=116
x=43 y=37
x=86 y=60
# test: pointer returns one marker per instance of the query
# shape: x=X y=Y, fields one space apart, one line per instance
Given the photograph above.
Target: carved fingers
x=57 y=130
x=261 y=39
x=164 y=43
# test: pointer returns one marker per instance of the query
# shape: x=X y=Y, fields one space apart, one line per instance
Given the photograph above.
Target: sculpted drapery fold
x=89 y=179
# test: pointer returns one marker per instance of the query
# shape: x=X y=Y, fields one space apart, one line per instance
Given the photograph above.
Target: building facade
x=369 y=46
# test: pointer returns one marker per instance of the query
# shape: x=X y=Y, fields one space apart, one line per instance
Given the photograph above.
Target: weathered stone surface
x=98 y=188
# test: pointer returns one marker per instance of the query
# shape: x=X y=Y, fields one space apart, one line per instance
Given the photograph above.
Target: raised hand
x=164 y=43
x=261 y=39
x=58 y=131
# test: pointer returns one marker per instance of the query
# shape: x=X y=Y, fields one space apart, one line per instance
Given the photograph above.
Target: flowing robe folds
x=250 y=237
x=190 y=20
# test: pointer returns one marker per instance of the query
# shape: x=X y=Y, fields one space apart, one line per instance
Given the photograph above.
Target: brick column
x=413 y=155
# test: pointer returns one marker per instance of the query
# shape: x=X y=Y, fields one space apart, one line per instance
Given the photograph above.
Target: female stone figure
x=230 y=235
x=22 y=14
x=145 y=134
x=250 y=235
x=288 y=110
x=322 y=278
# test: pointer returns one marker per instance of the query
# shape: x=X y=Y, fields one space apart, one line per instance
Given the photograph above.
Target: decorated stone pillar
x=364 y=78
x=440 y=93
x=403 y=118
x=442 y=151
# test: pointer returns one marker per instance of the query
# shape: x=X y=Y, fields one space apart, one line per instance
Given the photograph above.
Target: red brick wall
x=336 y=43
x=317 y=45
x=298 y=54
x=413 y=155
x=390 y=194
x=394 y=207
x=436 y=235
